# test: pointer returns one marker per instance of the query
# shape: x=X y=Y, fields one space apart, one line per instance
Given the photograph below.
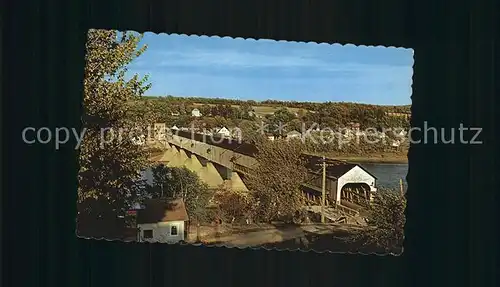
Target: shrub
x=386 y=220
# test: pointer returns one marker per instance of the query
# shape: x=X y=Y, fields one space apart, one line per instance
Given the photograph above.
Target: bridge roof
x=233 y=145
x=334 y=168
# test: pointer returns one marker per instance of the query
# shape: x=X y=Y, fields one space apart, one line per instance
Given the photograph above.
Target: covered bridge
x=345 y=182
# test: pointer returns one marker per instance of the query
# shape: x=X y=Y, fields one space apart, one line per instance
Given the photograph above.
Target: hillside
x=249 y=115
x=270 y=106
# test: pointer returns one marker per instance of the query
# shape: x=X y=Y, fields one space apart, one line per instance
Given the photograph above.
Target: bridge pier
x=211 y=176
x=235 y=182
x=176 y=159
x=194 y=164
x=169 y=154
x=212 y=167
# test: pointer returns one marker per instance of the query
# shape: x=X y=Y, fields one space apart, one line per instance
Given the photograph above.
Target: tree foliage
x=235 y=206
x=276 y=181
x=109 y=176
x=386 y=217
x=174 y=182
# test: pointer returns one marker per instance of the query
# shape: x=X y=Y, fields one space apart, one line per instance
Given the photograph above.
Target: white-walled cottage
x=162 y=220
x=196 y=113
x=293 y=134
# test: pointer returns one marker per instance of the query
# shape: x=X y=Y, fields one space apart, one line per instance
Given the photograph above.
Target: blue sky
x=181 y=65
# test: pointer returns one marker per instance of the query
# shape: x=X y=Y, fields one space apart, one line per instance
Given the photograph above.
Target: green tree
x=109 y=175
x=183 y=121
x=386 y=220
x=210 y=123
x=249 y=131
x=173 y=182
x=206 y=110
x=277 y=179
x=280 y=118
x=245 y=111
x=234 y=206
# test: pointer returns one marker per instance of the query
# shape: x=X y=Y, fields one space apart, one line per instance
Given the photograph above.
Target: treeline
x=312 y=106
x=327 y=115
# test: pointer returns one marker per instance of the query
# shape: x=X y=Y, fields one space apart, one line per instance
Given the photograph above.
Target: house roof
x=335 y=168
x=162 y=210
x=223 y=130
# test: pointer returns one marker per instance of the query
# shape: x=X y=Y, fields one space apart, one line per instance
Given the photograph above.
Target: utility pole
x=324 y=164
x=323 y=191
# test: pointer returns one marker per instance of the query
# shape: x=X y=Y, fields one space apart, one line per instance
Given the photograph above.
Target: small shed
x=162 y=220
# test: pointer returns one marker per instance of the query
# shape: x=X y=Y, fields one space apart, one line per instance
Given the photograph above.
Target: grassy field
x=259 y=110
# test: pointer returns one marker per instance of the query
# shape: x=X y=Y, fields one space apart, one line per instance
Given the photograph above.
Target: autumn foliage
x=276 y=181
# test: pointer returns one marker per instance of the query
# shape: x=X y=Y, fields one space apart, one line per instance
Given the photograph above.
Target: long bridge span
x=225 y=162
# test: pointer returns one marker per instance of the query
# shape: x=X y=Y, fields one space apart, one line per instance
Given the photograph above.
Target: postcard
x=244 y=143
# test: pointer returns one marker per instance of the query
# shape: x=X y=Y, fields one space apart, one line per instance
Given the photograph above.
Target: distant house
x=195 y=113
x=224 y=132
x=354 y=126
x=175 y=114
x=139 y=140
x=401 y=133
x=162 y=220
x=270 y=137
x=395 y=114
x=175 y=128
x=293 y=134
x=236 y=133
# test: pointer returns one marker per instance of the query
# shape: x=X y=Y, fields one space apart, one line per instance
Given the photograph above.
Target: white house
x=293 y=134
x=224 y=132
x=162 y=220
x=237 y=133
x=175 y=128
x=195 y=113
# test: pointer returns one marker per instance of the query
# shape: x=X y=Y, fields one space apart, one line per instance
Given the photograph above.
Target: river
x=388 y=174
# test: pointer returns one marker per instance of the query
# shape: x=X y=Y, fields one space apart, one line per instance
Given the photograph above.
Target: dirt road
x=273 y=235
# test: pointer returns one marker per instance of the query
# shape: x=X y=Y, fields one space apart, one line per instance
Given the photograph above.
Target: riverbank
x=395 y=159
